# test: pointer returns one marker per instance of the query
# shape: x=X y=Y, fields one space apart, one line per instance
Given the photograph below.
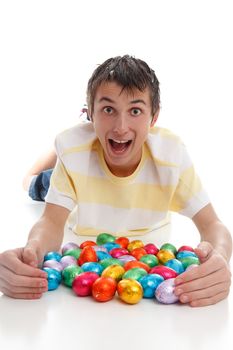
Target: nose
x=121 y=125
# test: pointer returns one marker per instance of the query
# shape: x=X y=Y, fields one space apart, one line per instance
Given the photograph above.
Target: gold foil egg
x=130 y=291
x=114 y=271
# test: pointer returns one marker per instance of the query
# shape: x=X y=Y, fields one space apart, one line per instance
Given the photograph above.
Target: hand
x=19 y=275
x=206 y=284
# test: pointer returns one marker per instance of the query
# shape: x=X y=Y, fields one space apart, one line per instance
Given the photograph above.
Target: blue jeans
x=40 y=185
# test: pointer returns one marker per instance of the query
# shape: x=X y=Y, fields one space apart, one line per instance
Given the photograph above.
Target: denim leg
x=40 y=185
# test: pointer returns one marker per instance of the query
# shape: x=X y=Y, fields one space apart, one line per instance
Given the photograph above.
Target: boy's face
x=122 y=121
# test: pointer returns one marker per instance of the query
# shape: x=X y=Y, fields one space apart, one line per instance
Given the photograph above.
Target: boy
x=124 y=175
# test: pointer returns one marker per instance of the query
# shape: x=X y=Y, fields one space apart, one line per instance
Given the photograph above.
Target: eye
x=108 y=110
x=136 y=111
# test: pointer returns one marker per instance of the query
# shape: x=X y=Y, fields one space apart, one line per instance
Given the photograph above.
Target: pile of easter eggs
x=111 y=265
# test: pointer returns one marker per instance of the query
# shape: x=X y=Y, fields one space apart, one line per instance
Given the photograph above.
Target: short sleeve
x=189 y=196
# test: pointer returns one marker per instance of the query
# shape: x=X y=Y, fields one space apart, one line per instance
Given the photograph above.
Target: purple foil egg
x=165 y=292
x=99 y=248
x=53 y=264
x=126 y=258
x=69 y=246
x=68 y=260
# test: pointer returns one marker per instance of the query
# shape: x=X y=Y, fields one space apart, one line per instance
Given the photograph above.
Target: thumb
x=203 y=251
x=30 y=256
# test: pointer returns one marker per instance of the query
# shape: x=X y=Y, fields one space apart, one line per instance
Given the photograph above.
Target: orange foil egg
x=87 y=243
x=104 y=289
x=114 y=271
x=132 y=264
x=137 y=243
x=88 y=254
x=130 y=291
x=123 y=241
x=138 y=253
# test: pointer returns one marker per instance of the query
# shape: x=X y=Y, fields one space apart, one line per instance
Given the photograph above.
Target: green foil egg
x=110 y=261
x=135 y=273
x=150 y=259
x=189 y=260
x=73 y=252
x=69 y=274
x=103 y=238
x=169 y=246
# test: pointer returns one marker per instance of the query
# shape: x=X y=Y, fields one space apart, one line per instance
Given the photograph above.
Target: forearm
x=219 y=237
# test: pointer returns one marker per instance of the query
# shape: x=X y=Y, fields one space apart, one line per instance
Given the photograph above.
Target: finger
x=11 y=279
x=203 y=251
x=29 y=256
x=209 y=301
x=12 y=262
x=28 y=296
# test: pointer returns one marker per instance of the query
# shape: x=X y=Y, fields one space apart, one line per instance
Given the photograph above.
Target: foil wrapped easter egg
x=164 y=271
x=150 y=260
x=82 y=284
x=114 y=271
x=135 y=263
x=69 y=246
x=151 y=248
x=93 y=267
x=165 y=255
x=104 y=289
x=110 y=261
x=135 y=273
x=123 y=241
x=126 y=258
x=176 y=265
x=53 y=264
x=189 y=260
x=87 y=243
x=103 y=238
x=73 y=252
x=53 y=277
x=149 y=284
x=111 y=245
x=68 y=260
x=137 y=243
x=138 y=252
x=184 y=254
x=99 y=248
x=117 y=252
x=165 y=292
x=53 y=256
x=102 y=255
x=185 y=247
x=69 y=274
x=130 y=291
x=170 y=247
x=88 y=254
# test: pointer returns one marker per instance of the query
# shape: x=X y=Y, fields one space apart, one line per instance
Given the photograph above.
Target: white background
x=50 y=48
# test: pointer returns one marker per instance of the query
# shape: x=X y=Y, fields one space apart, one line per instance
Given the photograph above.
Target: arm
x=210 y=282
x=20 y=276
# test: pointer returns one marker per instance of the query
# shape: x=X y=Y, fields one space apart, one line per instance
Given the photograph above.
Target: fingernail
x=178 y=291
x=184 y=298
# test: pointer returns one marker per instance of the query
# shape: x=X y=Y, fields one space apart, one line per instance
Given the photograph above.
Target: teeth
x=118 y=141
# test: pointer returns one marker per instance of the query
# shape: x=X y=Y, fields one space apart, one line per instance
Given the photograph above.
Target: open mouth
x=119 y=146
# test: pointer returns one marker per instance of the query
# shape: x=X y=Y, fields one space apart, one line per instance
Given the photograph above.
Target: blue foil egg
x=54 y=278
x=102 y=255
x=111 y=245
x=176 y=265
x=149 y=284
x=53 y=256
x=93 y=267
x=185 y=254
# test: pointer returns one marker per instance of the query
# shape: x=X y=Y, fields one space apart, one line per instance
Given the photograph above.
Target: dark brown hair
x=130 y=73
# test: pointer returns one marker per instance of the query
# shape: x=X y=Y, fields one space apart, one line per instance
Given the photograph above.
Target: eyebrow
x=107 y=99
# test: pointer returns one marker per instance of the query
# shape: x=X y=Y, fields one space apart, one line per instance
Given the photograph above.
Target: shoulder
x=165 y=146
x=80 y=135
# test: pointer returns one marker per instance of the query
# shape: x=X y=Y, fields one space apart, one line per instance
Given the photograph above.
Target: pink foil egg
x=82 y=284
x=164 y=271
x=151 y=248
x=69 y=246
x=53 y=264
x=68 y=260
x=165 y=292
x=117 y=252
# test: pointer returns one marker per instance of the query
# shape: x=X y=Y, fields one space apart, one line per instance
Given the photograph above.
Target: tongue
x=119 y=146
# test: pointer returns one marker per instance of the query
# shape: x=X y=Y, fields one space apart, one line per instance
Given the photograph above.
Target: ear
x=154 y=118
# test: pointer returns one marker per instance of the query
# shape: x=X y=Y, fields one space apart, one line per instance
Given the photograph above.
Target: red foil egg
x=82 y=284
x=185 y=247
x=87 y=243
x=138 y=253
x=104 y=289
x=164 y=271
x=151 y=248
